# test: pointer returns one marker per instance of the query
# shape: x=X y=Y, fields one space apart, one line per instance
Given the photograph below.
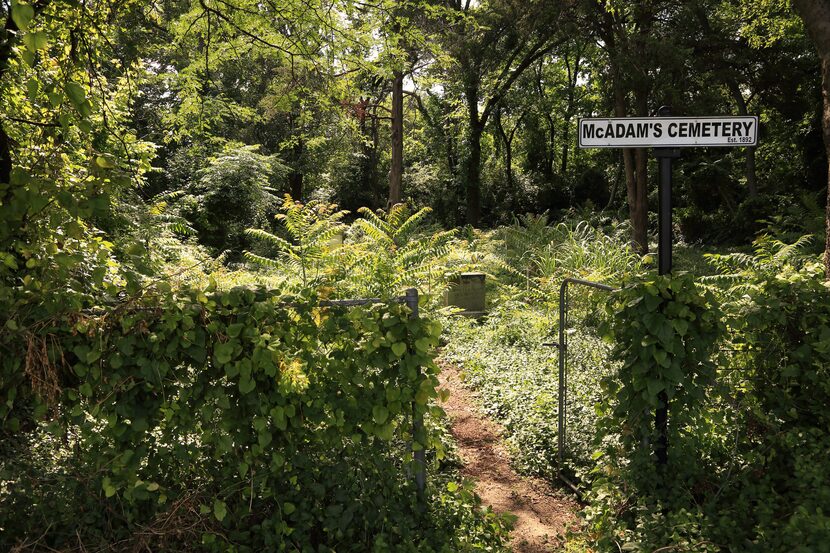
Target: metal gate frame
x=562 y=346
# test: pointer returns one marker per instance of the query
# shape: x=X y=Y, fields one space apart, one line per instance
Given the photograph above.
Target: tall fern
x=310 y=228
x=393 y=250
x=158 y=209
x=741 y=273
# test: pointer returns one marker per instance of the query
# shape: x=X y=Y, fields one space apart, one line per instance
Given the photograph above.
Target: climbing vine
x=260 y=418
x=665 y=330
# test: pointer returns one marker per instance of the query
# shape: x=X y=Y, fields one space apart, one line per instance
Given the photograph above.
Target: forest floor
x=543 y=513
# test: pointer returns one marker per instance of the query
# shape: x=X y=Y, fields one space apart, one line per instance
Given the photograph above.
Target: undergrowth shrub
x=665 y=331
x=224 y=421
x=747 y=464
x=378 y=255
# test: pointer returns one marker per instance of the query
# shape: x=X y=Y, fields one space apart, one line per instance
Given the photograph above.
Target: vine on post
x=244 y=413
x=665 y=331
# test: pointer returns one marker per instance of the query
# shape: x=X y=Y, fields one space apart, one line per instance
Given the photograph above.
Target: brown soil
x=542 y=513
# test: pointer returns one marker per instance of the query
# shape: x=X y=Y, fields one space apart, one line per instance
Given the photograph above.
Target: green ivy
x=665 y=330
x=253 y=420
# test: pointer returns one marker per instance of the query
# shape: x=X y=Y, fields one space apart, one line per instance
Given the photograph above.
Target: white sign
x=668 y=132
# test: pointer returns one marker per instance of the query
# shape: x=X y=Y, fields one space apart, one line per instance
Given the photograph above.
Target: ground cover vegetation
x=186 y=187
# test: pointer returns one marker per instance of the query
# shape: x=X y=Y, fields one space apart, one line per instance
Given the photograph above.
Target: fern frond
x=266 y=261
x=407 y=227
x=166 y=197
x=376 y=232
x=788 y=251
x=322 y=232
x=397 y=214
x=376 y=221
x=279 y=243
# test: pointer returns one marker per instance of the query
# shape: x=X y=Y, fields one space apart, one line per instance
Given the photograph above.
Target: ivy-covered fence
x=747 y=377
x=243 y=419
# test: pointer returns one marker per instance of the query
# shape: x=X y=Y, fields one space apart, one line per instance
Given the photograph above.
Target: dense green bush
x=231 y=194
x=664 y=332
x=223 y=421
x=746 y=470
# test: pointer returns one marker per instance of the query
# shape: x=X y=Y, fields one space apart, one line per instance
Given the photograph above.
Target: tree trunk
x=10 y=38
x=396 y=166
x=825 y=92
x=507 y=140
x=636 y=202
x=573 y=75
x=5 y=157
x=377 y=191
x=639 y=213
x=452 y=184
x=550 y=151
x=641 y=88
x=749 y=166
x=634 y=162
x=368 y=166
x=476 y=128
x=473 y=185
x=816 y=17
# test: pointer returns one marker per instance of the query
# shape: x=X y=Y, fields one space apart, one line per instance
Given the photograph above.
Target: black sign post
x=664 y=158
x=666 y=135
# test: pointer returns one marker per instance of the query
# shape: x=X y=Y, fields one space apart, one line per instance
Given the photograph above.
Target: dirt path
x=542 y=512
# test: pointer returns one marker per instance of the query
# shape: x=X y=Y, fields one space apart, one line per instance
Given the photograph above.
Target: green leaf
x=9 y=260
x=93 y=356
x=220 y=509
x=109 y=489
x=288 y=508
x=681 y=326
x=380 y=414
x=35 y=41
x=32 y=88
x=104 y=162
x=29 y=57
x=264 y=438
x=385 y=432
x=399 y=348
x=76 y=94
x=22 y=15
x=673 y=373
x=422 y=344
x=653 y=302
x=654 y=387
x=223 y=352
x=235 y=329
x=247 y=384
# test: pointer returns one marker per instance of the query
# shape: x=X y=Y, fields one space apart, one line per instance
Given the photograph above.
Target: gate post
x=419 y=456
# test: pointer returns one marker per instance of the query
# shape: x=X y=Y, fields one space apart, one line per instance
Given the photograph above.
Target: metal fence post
x=563 y=322
x=417 y=418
